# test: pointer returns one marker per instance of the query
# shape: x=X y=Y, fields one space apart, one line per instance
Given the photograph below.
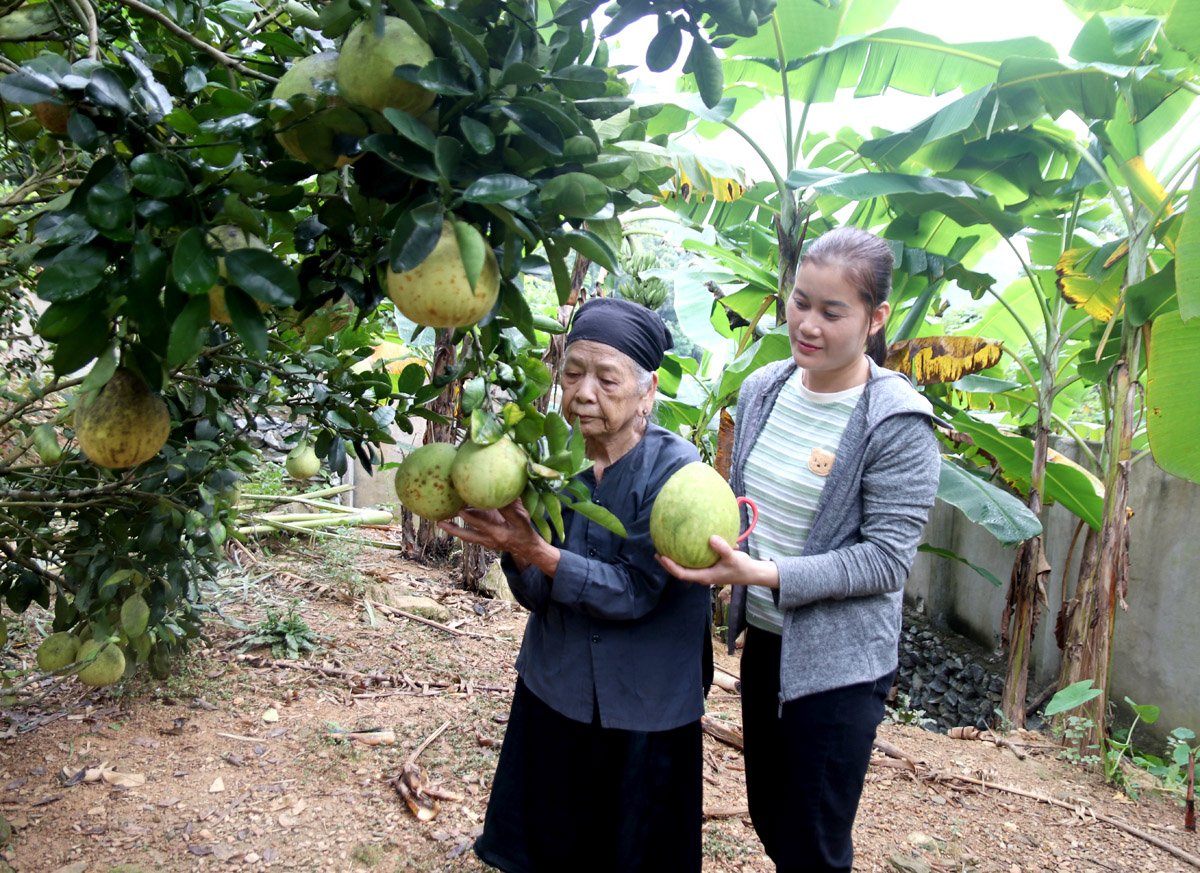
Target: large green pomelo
x=367 y=61
x=57 y=651
x=455 y=286
x=489 y=477
x=108 y=667
x=423 y=482
x=302 y=462
x=135 y=615
x=228 y=237
x=321 y=137
x=124 y=424
x=694 y=504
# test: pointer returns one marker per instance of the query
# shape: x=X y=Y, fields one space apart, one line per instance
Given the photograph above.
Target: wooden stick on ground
x=1100 y=816
x=729 y=734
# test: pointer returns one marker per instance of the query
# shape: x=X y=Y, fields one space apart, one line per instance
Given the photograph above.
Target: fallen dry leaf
x=217 y=786
x=271 y=715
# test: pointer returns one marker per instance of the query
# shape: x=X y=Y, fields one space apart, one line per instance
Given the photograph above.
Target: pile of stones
x=947 y=680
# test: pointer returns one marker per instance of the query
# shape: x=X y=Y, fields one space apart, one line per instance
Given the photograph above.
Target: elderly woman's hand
x=733 y=567
x=507 y=529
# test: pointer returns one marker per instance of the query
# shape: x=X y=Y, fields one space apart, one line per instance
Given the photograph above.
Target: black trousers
x=570 y=797
x=805 y=761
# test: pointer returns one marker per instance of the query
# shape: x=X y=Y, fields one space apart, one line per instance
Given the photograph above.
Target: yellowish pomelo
x=124 y=424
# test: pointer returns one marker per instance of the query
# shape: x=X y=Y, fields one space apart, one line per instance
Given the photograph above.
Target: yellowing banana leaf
x=937 y=359
x=1078 y=283
x=1064 y=484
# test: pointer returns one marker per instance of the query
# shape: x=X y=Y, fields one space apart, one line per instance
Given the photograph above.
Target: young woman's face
x=828 y=325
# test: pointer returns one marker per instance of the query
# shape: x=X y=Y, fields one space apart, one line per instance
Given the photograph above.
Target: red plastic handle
x=753 y=516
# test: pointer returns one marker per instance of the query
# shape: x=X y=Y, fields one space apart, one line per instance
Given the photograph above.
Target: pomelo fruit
x=455 y=286
x=302 y=462
x=489 y=477
x=368 y=59
x=135 y=615
x=694 y=504
x=228 y=237
x=57 y=651
x=52 y=116
x=423 y=482
x=326 y=137
x=108 y=666
x=124 y=424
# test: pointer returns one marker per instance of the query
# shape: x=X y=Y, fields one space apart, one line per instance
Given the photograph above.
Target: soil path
x=244 y=768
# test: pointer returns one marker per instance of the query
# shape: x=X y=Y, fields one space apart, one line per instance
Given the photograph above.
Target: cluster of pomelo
x=438 y=479
x=333 y=96
x=100 y=661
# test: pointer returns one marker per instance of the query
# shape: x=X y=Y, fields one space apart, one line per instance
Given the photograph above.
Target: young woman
x=840 y=457
x=600 y=771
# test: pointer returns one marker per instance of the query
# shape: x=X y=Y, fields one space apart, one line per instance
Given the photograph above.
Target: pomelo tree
x=159 y=155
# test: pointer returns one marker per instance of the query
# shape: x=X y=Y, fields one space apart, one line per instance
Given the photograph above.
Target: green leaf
x=557 y=432
x=110 y=210
x=593 y=248
x=998 y=512
x=188 y=332
x=64 y=317
x=664 y=48
x=1187 y=255
x=1074 y=695
x=955 y=556
x=74 y=351
x=574 y=195
x=544 y=133
x=497 y=188
x=263 y=276
x=1147 y=712
x=704 y=64
x=580 y=81
x=74 y=272
x=1172 y=401
x=156 y=176
x=486 y=429
x=415 y=236
x=411 y=129
x=600 y=515
x=101 y=372
x=474 y=391
x=193 y=264
x=1064 y=484
x=106 y=89
x=247 y=320
x=554 y=509
x=478 y=135
x=27 y=86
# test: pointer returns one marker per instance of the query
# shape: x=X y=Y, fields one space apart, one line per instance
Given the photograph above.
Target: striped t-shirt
x=785 y=474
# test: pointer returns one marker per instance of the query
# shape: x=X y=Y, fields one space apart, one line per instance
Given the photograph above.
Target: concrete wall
x=1157 y=640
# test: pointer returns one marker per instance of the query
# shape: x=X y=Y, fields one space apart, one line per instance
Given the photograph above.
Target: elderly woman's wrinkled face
x=601 y=392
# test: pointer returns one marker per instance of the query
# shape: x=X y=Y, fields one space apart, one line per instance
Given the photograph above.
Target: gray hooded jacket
x=841 y=598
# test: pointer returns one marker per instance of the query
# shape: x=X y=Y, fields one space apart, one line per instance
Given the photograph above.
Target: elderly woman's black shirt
x=612 y=632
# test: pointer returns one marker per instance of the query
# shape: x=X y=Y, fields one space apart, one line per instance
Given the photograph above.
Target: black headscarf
x=626 y=326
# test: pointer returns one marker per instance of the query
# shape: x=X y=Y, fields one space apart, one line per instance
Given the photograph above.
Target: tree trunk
x=1026 y=587
x=432 y=544
x=1088 y=650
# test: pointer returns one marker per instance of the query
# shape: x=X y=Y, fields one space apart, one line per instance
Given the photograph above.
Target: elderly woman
x=601 y=764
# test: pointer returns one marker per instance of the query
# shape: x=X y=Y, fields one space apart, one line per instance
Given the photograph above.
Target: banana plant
x=1130 y=84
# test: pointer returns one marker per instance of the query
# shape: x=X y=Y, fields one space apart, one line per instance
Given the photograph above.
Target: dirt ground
x=245 y=767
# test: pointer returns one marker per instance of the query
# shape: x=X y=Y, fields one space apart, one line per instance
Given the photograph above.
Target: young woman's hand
x=733 y=567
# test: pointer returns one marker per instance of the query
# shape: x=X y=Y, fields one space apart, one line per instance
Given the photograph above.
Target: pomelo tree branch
x=219 y=55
